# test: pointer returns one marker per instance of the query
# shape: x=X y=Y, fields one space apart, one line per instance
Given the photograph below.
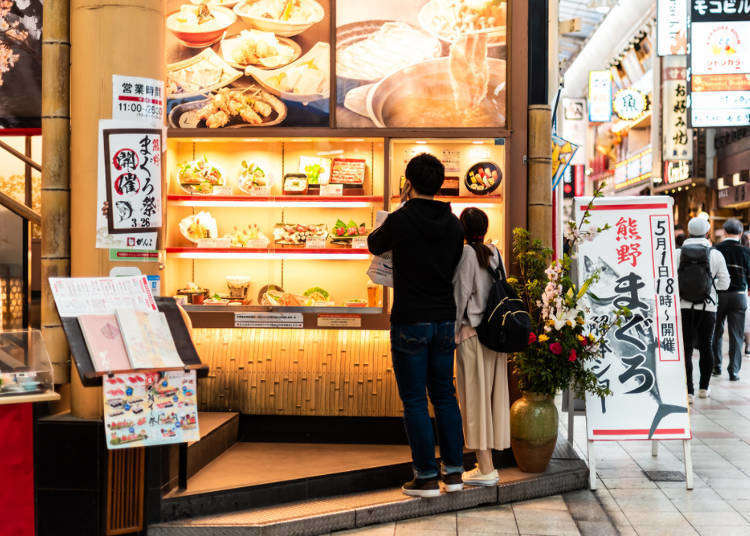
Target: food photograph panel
x=421 y=64
x=248 y=63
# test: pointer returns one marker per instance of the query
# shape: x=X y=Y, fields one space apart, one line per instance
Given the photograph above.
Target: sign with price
x=138 y=99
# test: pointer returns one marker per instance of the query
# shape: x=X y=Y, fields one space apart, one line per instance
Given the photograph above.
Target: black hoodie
x=427 y=243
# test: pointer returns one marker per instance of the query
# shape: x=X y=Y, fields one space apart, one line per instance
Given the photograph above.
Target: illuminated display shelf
x=269 y=253
x=280 y=201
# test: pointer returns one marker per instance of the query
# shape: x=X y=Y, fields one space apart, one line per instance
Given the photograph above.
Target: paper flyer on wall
x=147 y=409
x=143 y=240
x=75 y=296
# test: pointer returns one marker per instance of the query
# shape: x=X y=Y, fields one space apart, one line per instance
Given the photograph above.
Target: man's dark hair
x=426 y=174
x=733 y=226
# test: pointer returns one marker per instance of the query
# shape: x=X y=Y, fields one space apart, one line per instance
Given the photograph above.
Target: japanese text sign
x=642 y=360
x=719 y=64
x=133 y=173
x=600 y=96
x=677 y=138
x=138 y=99
x=75 y=296
x=671 y=21
x=146 y=409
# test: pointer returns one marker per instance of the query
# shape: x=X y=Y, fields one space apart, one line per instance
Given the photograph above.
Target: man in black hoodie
x=427 y=242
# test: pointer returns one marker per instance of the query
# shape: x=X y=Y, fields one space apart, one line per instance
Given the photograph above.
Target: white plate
x=285 y=29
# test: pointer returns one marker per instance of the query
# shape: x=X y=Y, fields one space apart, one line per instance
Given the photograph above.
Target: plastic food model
x=345 y=232
x=281 y=10
x=200 y=176
x=199 y=226
x=252 y=176
x=244 y=238
x=293 y=234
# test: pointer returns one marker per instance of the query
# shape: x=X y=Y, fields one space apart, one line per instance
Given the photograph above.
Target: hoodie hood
x=432 y=219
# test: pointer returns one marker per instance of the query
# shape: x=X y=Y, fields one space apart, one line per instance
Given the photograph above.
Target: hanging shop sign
x=677 y=138
x=676 y=172
x=642 y=360
x=635 y=169
x=600 y=96
x=147 y=409
x=671 y=27
x=562 y=154
x=575 y=126
x=129 y=182
x=719 y=61
x=629 y=104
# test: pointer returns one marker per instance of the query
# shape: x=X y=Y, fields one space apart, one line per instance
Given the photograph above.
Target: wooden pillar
x=55 y=175
x=123 y=37
x=540 y=173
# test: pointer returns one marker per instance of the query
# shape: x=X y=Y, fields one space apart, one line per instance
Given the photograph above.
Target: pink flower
x=572 y=356
x=555 y=348
x=532 y=338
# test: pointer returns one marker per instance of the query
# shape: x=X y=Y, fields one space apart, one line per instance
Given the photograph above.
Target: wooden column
x=540 y=173
x=114 y=37
x=55 y=175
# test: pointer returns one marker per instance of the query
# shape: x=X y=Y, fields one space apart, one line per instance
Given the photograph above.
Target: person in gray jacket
x=699 y=319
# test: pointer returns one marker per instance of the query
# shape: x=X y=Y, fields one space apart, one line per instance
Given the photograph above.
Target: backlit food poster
x=424 y=63
x=246 y=64
x=642 y=360
x=156 y=408
x=719 y=64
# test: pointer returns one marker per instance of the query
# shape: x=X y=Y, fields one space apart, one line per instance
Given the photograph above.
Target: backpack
x=506 y=324
x=694 y=274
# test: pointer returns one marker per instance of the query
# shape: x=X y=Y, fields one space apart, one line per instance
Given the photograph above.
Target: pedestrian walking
x=481 y=373
x=732 y=301
x=427 y=243
x=702 y=272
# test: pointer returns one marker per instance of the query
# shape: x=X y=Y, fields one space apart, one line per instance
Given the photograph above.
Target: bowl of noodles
x=199 y=26
x=282 y=17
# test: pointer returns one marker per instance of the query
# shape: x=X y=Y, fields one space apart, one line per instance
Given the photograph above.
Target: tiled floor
x=634 y=505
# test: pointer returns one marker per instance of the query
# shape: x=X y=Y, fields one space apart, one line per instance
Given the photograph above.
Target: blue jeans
x=423 y=362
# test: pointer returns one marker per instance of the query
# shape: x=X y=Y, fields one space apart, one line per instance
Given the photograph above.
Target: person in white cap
x=702 y=272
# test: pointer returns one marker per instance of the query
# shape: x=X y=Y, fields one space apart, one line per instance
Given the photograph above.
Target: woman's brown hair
x=475 y=223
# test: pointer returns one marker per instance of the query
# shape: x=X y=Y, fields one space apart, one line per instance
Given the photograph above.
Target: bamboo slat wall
x=298 y=372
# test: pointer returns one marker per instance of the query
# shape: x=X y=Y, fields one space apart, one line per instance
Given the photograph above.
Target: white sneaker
x=690 y=399
x=476 y=478
x=704 y=393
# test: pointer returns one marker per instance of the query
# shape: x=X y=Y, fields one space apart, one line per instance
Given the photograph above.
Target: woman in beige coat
x=481 y=374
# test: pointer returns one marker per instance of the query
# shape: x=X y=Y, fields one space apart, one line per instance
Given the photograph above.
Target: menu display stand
x=180 y=333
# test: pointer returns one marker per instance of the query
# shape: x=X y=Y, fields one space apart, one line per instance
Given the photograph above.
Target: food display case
x=25 y=369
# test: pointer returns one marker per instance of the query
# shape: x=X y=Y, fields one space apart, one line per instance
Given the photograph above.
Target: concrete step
x=321 y=516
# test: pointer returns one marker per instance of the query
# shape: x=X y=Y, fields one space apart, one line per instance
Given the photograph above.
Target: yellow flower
x=543 y=338
x=550 y=322
x=569 y=324
x=591 y=337
x=581 y=339
x=580 y=320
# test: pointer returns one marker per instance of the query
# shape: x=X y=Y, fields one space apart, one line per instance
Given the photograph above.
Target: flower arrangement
x=560 y=347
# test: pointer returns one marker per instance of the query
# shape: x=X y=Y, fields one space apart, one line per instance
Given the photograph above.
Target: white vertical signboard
x=642 y=360
x=671 y=27
x=600 y=96
x=676 y=136
x=575 y=127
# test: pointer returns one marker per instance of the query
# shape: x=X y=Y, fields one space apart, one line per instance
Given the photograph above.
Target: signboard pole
x=571 y=414
x=687 y=452
x=591 y=451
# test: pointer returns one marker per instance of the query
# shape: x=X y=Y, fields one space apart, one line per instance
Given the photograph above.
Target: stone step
x=218 y=432
x=321 y=516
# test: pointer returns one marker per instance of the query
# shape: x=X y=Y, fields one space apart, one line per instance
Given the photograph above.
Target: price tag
x=359 y=242
x=214 y=243
x=257 y=243
x=260 y=191
x=339 y=321
x=315 y=243
x=222 y=190
x=331 y=190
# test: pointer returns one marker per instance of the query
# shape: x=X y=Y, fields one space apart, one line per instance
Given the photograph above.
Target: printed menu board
x=142 y=410
x=249 y=64
x=75 y=296
x=425 y=63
